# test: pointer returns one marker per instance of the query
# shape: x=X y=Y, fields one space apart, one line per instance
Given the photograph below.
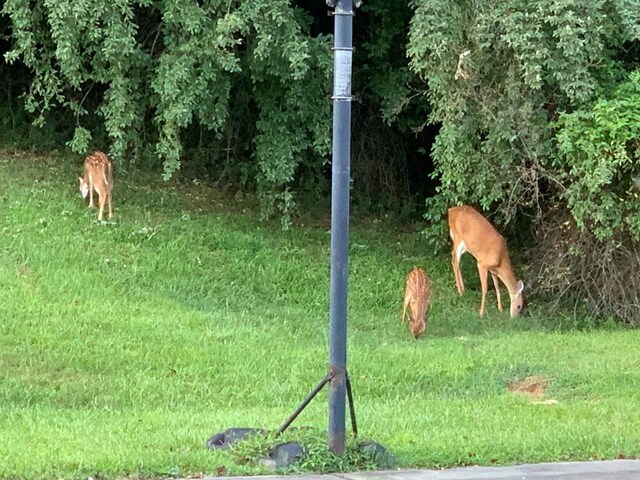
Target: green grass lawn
x=125 y=345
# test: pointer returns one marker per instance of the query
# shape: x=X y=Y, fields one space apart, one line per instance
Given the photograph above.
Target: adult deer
x=473 y=233
x=98 y=176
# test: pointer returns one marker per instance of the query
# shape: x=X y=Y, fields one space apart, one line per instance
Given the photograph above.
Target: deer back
x=418 y=294
x=98 y=166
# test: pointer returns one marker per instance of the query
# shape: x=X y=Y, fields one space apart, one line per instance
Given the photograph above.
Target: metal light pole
x=342 y=54
x=337 y=376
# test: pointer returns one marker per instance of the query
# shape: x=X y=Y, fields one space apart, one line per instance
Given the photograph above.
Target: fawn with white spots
x=98 y=176
x=417 y=296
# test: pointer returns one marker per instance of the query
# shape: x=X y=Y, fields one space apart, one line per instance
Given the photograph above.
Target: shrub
x=572 y=266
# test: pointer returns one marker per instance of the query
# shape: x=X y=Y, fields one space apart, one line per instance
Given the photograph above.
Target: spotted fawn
x=417 y=296
x=98 y=176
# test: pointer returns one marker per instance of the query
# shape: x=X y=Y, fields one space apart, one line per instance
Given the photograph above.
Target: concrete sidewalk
x=600 y=470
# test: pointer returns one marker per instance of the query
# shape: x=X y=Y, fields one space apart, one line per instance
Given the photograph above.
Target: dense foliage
x=599 y=148
x=498 y=73
x=588 y=249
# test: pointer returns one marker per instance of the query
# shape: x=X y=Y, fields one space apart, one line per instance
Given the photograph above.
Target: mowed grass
x=125 y=345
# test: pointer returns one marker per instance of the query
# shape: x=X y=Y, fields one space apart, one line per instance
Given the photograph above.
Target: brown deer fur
x=98 y=176
x=417 y=296
x=471 y=232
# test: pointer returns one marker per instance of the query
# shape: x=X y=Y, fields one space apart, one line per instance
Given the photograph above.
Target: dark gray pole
x=343 y=50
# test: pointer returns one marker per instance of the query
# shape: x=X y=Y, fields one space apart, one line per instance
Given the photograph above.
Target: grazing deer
x=98 y=176
x=417 y=296
x=473 y=233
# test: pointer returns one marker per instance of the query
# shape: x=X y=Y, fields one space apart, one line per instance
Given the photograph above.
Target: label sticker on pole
x=342 y=78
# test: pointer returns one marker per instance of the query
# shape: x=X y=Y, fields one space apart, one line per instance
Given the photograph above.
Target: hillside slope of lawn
x=125 y=345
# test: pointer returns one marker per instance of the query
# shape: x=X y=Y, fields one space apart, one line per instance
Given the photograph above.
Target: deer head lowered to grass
x=98 y=176
x=473 y=233
x=417 y=296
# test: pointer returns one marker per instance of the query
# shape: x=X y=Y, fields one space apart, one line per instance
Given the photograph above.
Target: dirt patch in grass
x=533 y=386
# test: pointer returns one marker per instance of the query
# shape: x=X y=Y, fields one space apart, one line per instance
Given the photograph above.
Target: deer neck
x=505 y=273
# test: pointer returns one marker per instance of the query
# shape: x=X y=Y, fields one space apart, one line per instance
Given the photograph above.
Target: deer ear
x=80 y=178
x=520 y=287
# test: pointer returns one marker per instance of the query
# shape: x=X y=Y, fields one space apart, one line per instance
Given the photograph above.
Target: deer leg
x=453 y=267
x=407 y=299
x=483 y=282
x=496 y=284
x=101 y=199
x=91 y=187
x=455 y=263
x=110 y=209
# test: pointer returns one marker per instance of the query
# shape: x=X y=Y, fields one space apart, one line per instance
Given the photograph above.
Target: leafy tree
x=498 y=74
x=589 y=248
x=599 y=149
